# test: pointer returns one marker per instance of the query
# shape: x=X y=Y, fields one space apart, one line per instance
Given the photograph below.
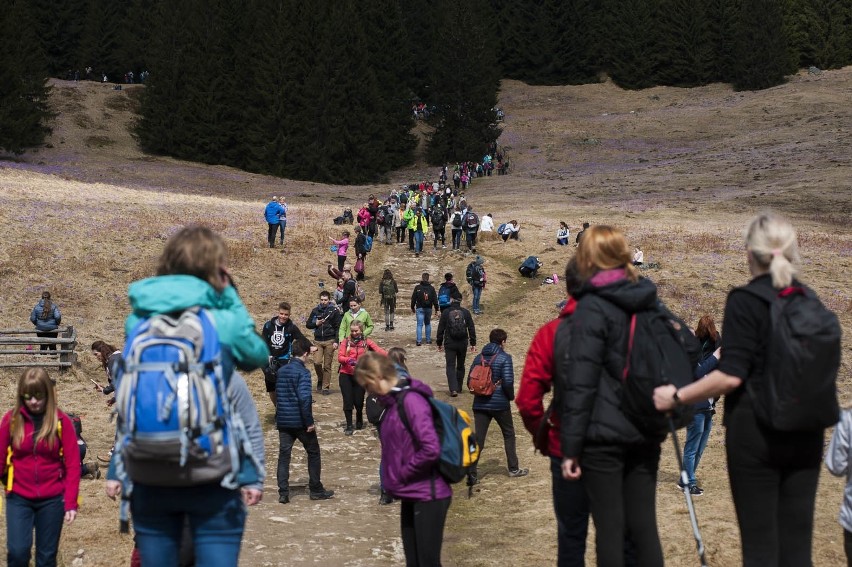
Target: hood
x=613 y=286
x=490 y=349
x=424 y=282
x=165 y=294
x=413 y=383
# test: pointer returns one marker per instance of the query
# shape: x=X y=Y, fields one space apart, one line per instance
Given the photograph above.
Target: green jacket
x=167 y=294
x=362 y=316
x=407 y=216
x=412 y=224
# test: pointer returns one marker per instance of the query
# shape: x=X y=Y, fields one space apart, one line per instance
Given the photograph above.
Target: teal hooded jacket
x=167 y=294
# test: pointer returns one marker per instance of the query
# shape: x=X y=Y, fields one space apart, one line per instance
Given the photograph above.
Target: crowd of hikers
x=621 y=370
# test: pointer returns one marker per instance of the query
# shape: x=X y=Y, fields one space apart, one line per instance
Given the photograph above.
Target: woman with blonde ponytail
x=773 y=473
x=36 y=441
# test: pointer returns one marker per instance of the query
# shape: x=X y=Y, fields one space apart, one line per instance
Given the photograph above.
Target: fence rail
x=21 y=348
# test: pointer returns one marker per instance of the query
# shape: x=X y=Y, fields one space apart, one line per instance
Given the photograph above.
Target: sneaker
x=428 y=342
x=326 y=392
x=284 y=499
x=385 y=499
x=680 y=485
x=324 y=495
x=349 y=430
x=419 y=344
x=106 y=459
x=417 y=254
x=472 y=480
x=359 y=425
x=519 y=472
x=454 y=394
x=694 y=490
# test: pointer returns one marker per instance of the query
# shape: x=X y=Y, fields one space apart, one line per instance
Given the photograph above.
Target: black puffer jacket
x=590 y=368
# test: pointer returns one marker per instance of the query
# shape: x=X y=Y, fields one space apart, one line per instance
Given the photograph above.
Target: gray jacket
x=244 y=404
x=837 y=461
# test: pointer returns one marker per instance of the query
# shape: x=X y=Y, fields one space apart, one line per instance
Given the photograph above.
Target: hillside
x=681 y=170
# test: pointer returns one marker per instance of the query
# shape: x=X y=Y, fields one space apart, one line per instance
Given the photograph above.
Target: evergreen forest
x=324 y=90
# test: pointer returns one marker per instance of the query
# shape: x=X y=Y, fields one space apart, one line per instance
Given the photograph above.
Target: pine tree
x=722 y=17
x=465 y=78
x=684 y=44
x=761 y=47
x=575 y=40
x=60 y=24
x=632 y=56
x=101 y=37
x=521 y=49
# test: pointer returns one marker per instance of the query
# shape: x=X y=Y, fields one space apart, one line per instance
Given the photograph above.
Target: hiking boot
x=419 y=344
x=519 y=473
x=385 y=499
x=349 y=430
x=285 y=499
x=324 y=495
x=454 y=394
x=428 y=342
x=387 y=327
x=694 y=490
x=417 y=254
x=472 y=480
x=359 y=425
x=326 y=392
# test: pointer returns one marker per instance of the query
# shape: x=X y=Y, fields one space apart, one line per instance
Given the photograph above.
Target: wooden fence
x=20 y=348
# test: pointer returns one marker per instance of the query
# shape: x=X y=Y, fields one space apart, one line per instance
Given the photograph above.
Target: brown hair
x=706 y=329
x=47 y=307
x=373 y=367
x=105 y=349
x=34 y=381
x=284 y=306
x=604 y=247
x=195 y=251
x=397 y=355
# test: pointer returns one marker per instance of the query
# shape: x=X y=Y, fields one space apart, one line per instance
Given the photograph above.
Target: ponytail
x=772 y=242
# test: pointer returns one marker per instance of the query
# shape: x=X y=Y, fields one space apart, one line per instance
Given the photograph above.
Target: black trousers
x=400 y=233
x=481 y=421
x=410 y=239
x=455 y=368
x=847 y=546
x=286 y=438
x=273 y=230
x=353 y=397
x=47 y=335
x=621 y=482
x=773 y=478
x=440 y=234
x=341 y=260
x=422 y=527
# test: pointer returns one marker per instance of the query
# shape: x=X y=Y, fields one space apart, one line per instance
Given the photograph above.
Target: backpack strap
x=630 y=338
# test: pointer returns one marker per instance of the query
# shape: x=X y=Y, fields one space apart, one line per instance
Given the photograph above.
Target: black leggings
x=440 y=234
x=353 y=397
x=422 y=527
x=341 y=260
x=621 y=481
x=773 y=478
x=48 y=335
x=455 y=367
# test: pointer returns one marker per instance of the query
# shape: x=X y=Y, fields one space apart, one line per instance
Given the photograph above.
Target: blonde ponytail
x=772 y=242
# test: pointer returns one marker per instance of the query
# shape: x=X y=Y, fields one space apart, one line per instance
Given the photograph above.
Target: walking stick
x=684 y=480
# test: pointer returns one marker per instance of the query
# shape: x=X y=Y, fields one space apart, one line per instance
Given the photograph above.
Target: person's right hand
x=571 y=469
x=112 y=488
x=718 y=353
x=311 y=428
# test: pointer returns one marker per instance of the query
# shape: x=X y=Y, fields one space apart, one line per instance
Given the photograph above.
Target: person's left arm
x=536 y=381
x=507 y=375
x=303 y=394
x=71 y=479
x=247 y=410
x=57 y=315
x=427 y=446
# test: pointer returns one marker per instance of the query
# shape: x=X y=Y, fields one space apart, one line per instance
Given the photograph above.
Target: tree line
x=323 y=90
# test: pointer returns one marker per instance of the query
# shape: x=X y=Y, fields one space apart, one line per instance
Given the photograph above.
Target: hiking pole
x=684 y=480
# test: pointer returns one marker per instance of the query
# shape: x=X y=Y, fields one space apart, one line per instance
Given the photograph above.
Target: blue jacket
x=273 y=212
x=53 y=319
x=501 y=369
x=293 y=396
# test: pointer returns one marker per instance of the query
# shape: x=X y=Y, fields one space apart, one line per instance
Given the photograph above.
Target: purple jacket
x=410 y=463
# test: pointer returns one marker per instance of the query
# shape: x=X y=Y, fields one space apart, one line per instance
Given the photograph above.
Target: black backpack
x=472 y=220
x=798 y=391
x=660 y=350
x=438 y=220
x=456 y=325
x=472 y=274
x=457 y=220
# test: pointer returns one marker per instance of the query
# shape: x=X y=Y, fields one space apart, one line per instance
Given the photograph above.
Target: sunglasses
x=37 y=396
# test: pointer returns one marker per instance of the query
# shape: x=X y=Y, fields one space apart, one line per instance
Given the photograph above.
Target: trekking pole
x=684 y=480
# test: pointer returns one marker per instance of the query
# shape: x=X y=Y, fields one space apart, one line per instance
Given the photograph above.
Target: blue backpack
x=368 y=243
x=444 y=296
x=501 y=228
x=459 y=450
x=176 y=423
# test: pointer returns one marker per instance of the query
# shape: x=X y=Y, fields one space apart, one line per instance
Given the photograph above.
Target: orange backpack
x=480 y=381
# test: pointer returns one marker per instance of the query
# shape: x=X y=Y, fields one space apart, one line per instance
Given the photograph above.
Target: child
x=342 y=248
x=837 y=461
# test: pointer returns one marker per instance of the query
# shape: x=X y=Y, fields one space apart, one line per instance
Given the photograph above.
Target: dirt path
x=351 y=529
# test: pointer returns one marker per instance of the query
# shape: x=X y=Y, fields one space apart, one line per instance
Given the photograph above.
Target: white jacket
x=837 y=461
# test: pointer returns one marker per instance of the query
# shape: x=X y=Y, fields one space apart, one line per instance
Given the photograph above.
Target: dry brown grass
x=681 y=174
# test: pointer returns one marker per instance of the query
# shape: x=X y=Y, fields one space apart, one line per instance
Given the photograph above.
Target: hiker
x=423 y=301
x=192 y=272
x=272 y=213
x=418 y=226
x=475 y=275
x=562 y=234
x=698 y=432
x=361 y=253
x=325 y=321
x=580 y=234
x=512 y=231
x=439 y=225
x=389 y=216
x=471 y=226
x=46 y=318
x=282 y=218
x=408 y=218
x=769 y=469
x=279 y=334
x=638 y=257
x=456 y=334
x=447 y=292
x=410 y=455
x=364 y=217
x=388 y=289
x=496 y=406
x=342 y=248
x=294 y=420
x=355 y=313
x=616 y=461
x=351 y=349
x=37 y=439
x=108 y=356
x=456 y=222
x=837 y=462
x=349 y=290
x=487 y=224
x=373 y=205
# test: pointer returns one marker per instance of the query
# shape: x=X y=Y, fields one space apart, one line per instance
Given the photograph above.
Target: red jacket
x=537 y=380
x=348 y=354
x=40 y=471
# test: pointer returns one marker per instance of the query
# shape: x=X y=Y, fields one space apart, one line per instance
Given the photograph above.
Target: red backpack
x=480 y=381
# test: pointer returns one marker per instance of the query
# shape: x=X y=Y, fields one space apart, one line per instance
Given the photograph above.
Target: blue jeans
x=216 y=515
x=23 y=515
x=283 y=224
x=697 y=435
x=418 y=242
x=477 y=293
x=457 y=232
x=424 y=317
x=571 y=506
